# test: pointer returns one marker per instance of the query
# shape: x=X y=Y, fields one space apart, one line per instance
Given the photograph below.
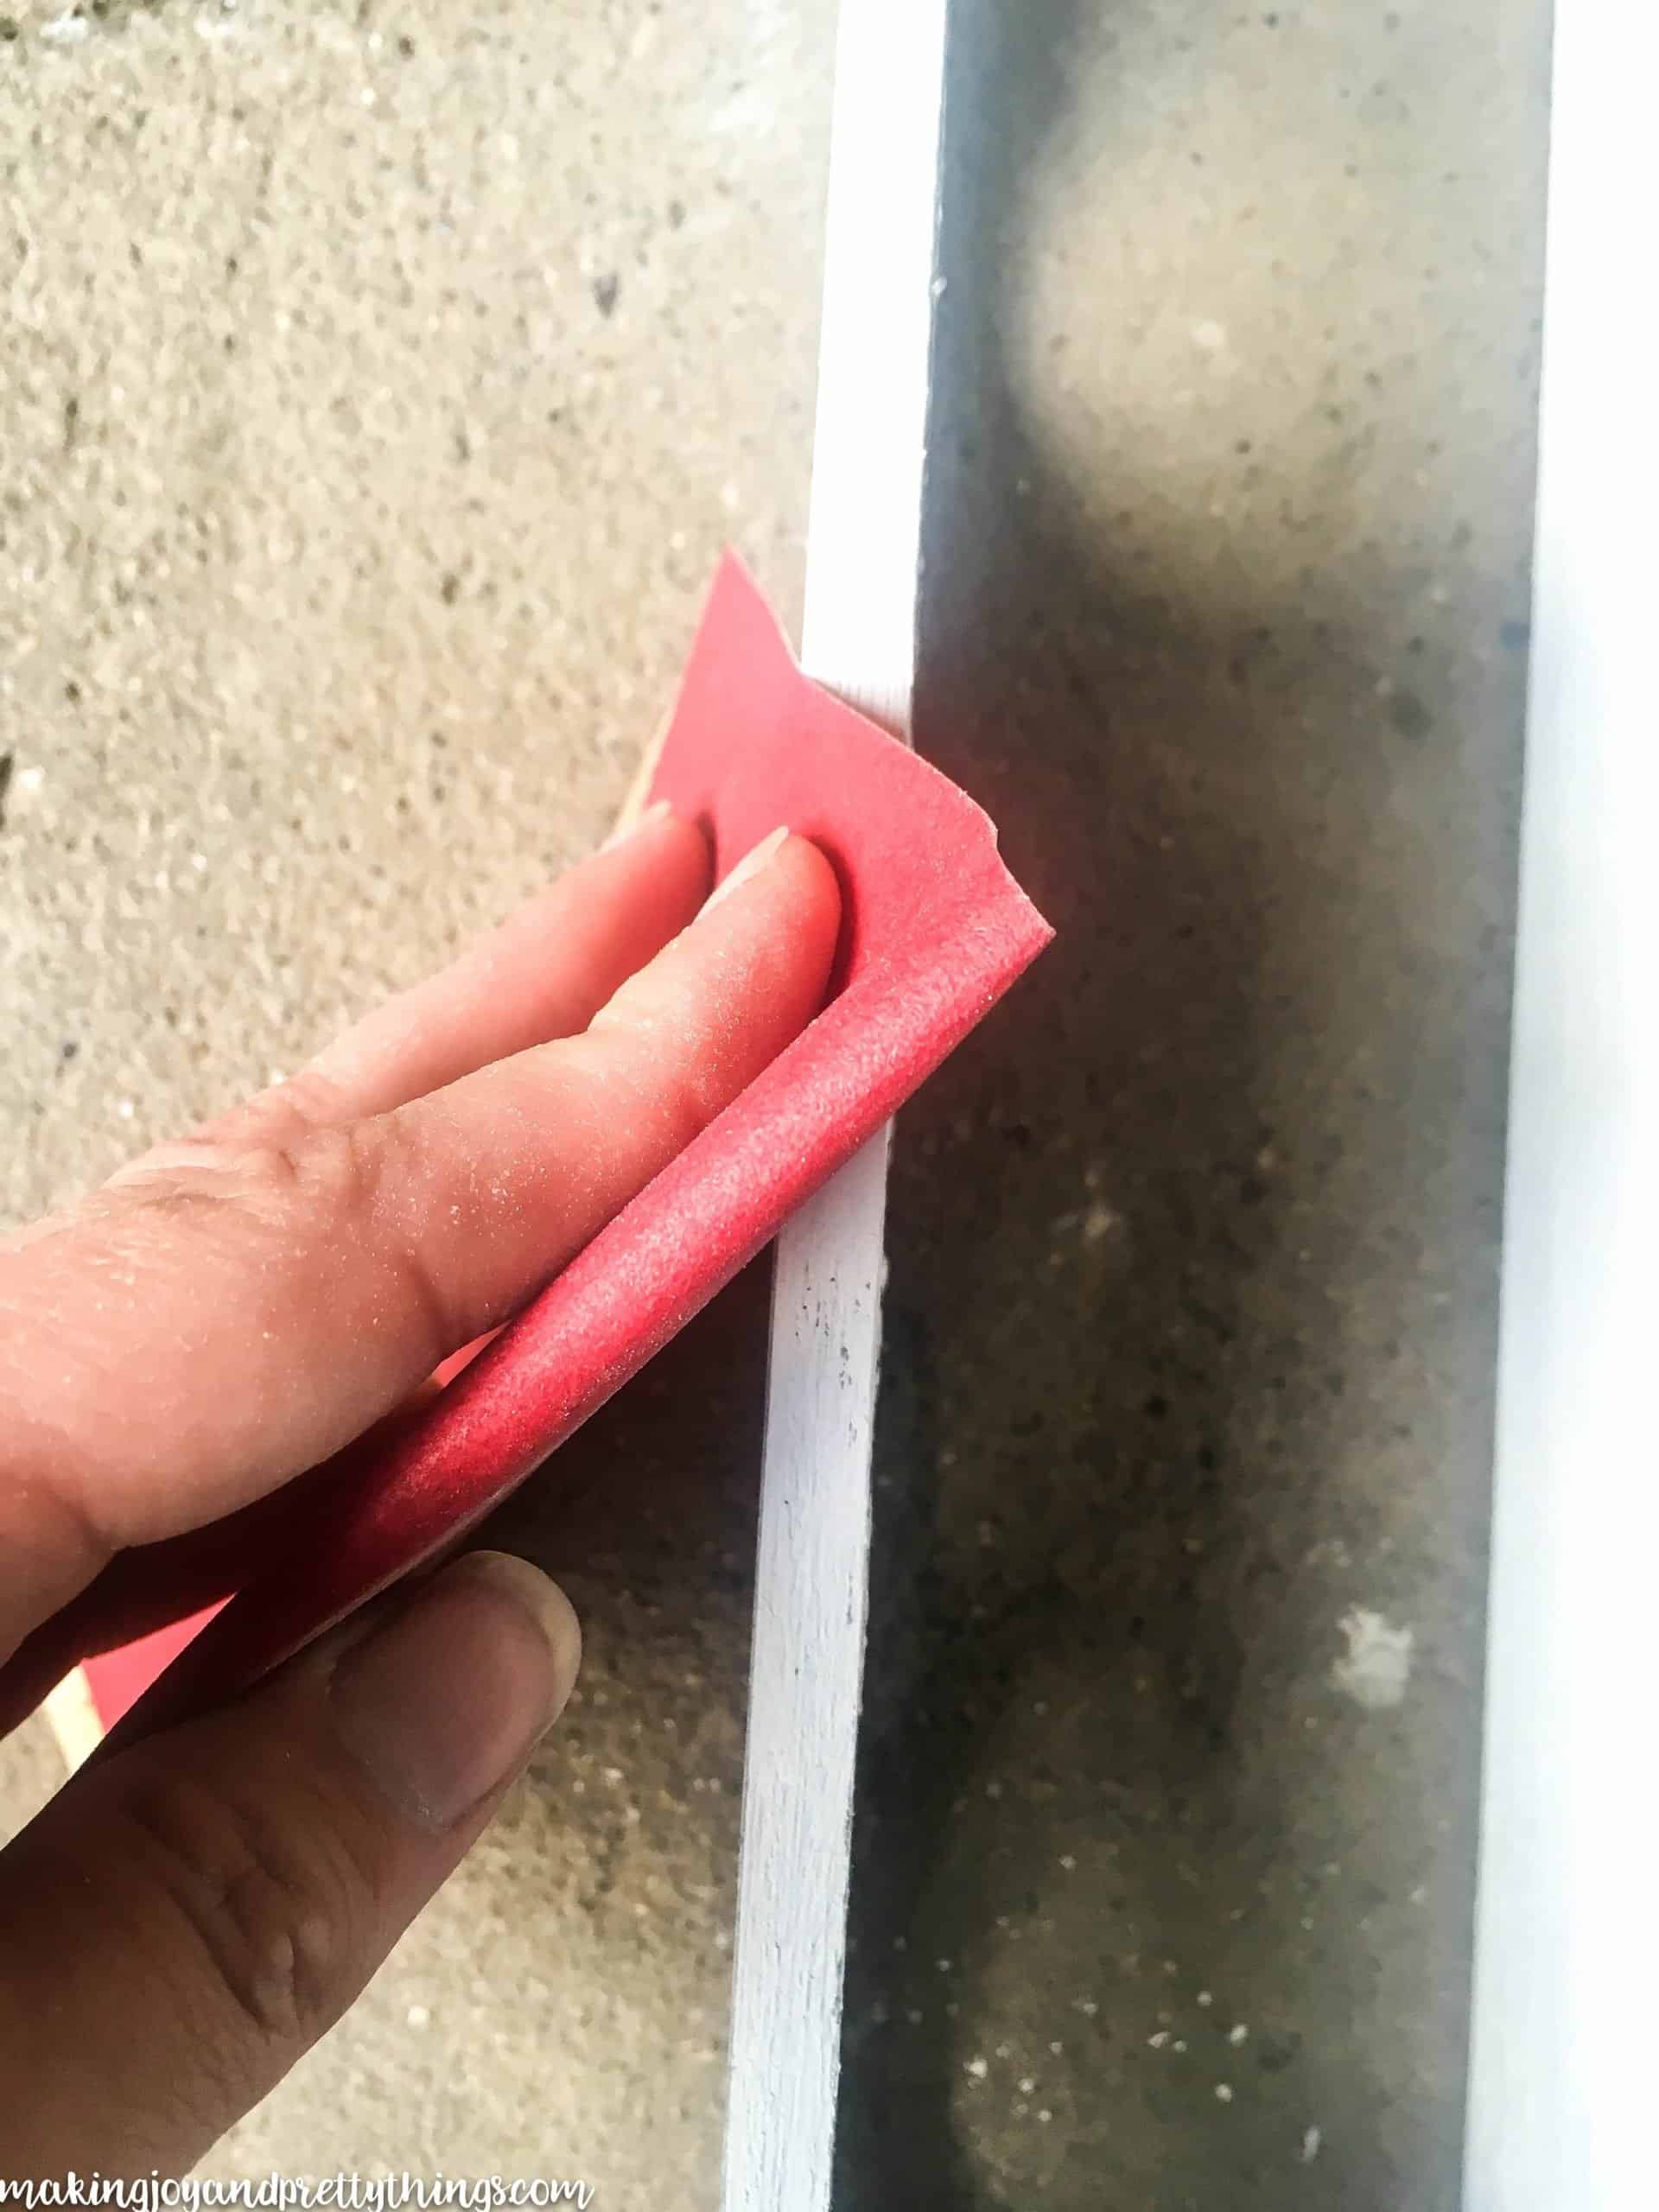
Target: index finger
x=227 y=1316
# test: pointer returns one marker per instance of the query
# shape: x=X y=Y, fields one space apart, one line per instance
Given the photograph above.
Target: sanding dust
x=1376 y=1666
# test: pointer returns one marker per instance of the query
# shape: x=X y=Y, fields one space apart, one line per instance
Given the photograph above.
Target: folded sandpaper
x=934 y=929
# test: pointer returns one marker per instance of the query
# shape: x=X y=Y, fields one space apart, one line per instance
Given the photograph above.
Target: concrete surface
x=350 y=539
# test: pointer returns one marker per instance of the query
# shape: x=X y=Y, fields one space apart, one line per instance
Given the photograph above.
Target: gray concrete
x=348 y=547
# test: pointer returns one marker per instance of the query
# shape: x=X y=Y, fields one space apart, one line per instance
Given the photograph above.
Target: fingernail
x=748 y=868
x=658 y=810
x=446 y=1701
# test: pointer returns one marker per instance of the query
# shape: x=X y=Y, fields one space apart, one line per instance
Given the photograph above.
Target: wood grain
x=863 y=552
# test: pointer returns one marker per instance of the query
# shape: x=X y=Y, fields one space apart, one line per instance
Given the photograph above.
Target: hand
x=190 y=1913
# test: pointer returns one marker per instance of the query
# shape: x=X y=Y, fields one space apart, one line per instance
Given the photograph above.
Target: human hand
x=189 y=1914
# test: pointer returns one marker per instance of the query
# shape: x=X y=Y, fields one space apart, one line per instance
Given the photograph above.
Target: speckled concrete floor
x=380 y=383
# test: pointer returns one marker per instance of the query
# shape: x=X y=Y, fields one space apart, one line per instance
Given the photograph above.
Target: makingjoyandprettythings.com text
x=342 y=2192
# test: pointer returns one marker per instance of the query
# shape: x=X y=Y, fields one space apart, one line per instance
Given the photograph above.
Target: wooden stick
x=1566 y=1955
x=863 y=557
x=72 y=1717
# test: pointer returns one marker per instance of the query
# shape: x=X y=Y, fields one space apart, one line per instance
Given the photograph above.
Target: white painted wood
x=865 y=529
x=803 y=1697
x=1561 y=2111
x=72 y=1715
x=863 y=558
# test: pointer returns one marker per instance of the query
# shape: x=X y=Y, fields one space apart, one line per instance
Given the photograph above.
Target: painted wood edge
x=858 y=639
x=1566 y=1947
x=72 y=1716
x=864 y=532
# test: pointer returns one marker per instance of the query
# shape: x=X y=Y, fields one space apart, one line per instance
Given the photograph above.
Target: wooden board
x=863 y=557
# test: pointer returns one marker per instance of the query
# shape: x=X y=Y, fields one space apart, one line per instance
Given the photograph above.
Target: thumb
x=189 y=1915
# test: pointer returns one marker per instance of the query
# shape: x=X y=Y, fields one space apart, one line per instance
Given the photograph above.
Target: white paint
x=73 y=1717
x=806 y=1677
x=863 y=558
x=1560 y=2106
x=1376 y=1666
x=864 y=540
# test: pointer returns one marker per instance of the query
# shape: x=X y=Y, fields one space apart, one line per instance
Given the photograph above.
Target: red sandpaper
x=934 y=930
x=117 y=1679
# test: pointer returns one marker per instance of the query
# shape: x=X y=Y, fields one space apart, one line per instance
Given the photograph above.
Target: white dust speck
x=1027 y=2083
x=1223 y=2093
x=979 y=2067
x=1237 y=2035
x=1086 y=2005
x=1068 y=1862
x=417 y=2016
x=66 y=29
x=1057 y=2048
x=1043 y=2115
x=1157 y=2042
x=1206 y=1998
x=1311 y=2141
x=30 y=779
x=1209 y=336
x=1098 y=1222
x=124 y=1108
x=1376 y=1666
